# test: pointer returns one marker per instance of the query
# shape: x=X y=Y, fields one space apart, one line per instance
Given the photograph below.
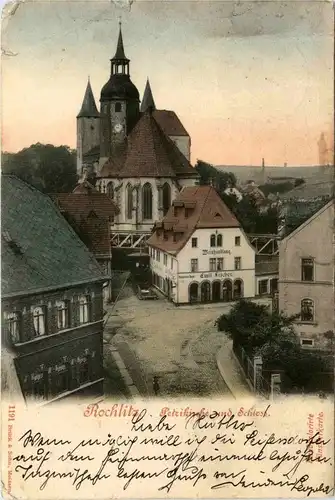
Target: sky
x=248 y=79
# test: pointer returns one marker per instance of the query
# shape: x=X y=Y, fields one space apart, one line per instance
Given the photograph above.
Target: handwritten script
x=211 y=450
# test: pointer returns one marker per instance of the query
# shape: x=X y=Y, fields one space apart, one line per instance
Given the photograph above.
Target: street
x=176 y=344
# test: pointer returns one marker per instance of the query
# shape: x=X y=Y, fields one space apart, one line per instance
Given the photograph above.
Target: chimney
x=285 y=164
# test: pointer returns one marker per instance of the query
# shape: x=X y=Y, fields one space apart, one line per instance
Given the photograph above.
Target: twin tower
x=98 y=133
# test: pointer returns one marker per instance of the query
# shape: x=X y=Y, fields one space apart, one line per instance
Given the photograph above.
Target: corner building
x=199 y=251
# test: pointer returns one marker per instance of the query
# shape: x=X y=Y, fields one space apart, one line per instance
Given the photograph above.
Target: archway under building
x=227 y=291
x=216 y=291
x=205 y=291
x=193 y=291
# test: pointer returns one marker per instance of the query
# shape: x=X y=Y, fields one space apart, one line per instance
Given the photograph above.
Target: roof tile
x=209 y=212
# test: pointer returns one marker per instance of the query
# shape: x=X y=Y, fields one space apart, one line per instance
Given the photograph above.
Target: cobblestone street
x=177 y=344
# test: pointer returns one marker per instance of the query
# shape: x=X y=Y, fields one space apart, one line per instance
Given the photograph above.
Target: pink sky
x=248 y=83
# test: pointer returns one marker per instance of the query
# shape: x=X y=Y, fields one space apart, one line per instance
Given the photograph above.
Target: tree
x=211 y=175
x=49 y=168
x=273 y=336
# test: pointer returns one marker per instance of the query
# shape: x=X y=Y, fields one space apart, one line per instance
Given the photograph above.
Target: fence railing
x=252 y=369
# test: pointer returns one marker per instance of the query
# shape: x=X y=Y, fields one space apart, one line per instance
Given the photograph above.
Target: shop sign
x=216 y=252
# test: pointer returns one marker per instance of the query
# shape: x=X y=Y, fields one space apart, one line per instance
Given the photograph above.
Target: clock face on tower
x=118 y=128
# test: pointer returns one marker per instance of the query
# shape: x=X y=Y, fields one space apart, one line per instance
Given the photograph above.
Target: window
x=165 y=260
x=62 y=315
x=213 y=240
x=219 y=240
x=84 y=309
x=147 y=202
x=307 y=269
x=129 y=202
x=194 y=265
x=118 y=107
x=307 y=310
x=171 y=263
x=165 y=235
x=175 y=237
x=188 y=212
x=237 y=241
x=110 y=190
x=194 y=242
x=166 y=195
x=216 y=264
x=262 y=287
x=307 y=342
x=237 y=263
x=14 y=326
x=212 y=264
x=39 y=321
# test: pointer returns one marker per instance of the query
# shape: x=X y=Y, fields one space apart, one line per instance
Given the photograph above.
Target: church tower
x=148 y=99
x=88 y=121
x=119 y=104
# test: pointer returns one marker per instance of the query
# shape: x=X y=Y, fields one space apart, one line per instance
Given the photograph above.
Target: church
x=139 y=155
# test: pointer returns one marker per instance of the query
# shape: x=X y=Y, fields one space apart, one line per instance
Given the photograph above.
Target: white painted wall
x=182 y=274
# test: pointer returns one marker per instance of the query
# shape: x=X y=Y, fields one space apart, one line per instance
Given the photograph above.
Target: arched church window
x=166 y=197
x=129 y=202
x=117 y=107
x=147 y=201
x=110 y=190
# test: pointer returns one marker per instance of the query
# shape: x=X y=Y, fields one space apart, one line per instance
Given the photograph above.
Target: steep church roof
x=148 y=99
x=205 y=209
x=88 y=108
x=170 y=123
x=150 y=153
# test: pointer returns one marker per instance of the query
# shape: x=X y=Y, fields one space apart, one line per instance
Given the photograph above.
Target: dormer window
x=118 y=107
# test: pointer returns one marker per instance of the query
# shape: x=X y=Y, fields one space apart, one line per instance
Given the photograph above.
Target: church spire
x=88 y=108
x=148 y=100
x=120 y=63
x=119 y=54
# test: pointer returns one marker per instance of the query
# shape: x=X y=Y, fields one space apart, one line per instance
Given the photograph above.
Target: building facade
x=52 y=299
x=306 y=277
x=199 y=252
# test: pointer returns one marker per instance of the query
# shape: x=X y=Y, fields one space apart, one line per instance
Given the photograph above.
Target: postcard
x=167 y=249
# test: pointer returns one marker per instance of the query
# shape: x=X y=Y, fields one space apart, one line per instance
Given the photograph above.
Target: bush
x=272 y=336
